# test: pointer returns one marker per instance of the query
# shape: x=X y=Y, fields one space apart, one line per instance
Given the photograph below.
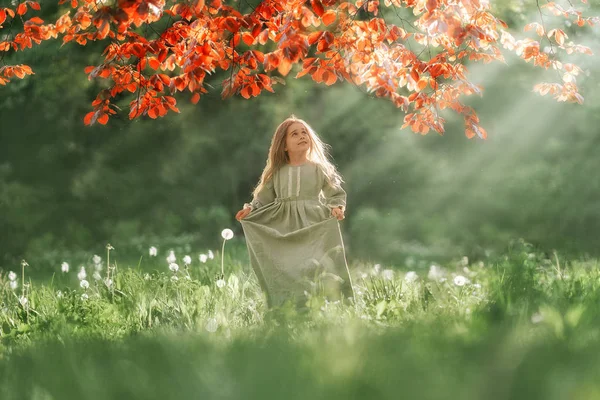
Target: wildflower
x=227 y=234
x=387 y=274
x=411 y=276
x=171 y=258
x=174 y=267
x=82 y=275
x=64 y=267
x=12 y=276
x=174 y=278
x=435 y=273
x=97 y=259
x=108 y=282
x=84 y=296
x=210 y=254
x=460 y=280
x=187 y=260
x=13 y=285
x=221 y=283
x=23 y=300
x=97 y=276
x=202 y=258
x=84 y=284
x=212 y=325
x=153 y=251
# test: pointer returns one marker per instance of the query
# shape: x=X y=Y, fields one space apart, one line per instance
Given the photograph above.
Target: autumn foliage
x=417 y=64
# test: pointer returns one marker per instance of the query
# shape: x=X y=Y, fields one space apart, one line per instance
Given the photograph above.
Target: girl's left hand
x=338 y=213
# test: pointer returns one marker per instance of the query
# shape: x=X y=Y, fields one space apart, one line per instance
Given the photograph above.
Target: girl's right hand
x=242 y=213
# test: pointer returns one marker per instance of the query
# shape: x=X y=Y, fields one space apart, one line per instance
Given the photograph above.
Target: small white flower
x=147 y=277
x=14 y=285
x=153 y=251
x=64 y=267
x=227 y=234
x=171 y=258
x=81 y=275
x=435 y=273
x=97 y=276
x=210 y=254
x=364 y=275
x=174 y=278
x=411 y=276
x=23 y=300
x=84 y=284
x=221 y=283
x=108 y=282
x=59 y=294
x=460 y=280
x=187 y=260
x=12 y=276
x=97 y=259
x=212 y=325
x=84 y=296
x=537 y=318
x=174 y=267
x=388 y=274
x=202 y=258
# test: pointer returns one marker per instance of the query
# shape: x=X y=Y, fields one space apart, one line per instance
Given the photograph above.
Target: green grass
x=525 y=326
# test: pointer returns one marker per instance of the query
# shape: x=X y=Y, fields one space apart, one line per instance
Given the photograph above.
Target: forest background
x=67 y=188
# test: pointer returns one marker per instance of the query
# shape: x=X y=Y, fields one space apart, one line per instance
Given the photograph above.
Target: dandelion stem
x=222 y=258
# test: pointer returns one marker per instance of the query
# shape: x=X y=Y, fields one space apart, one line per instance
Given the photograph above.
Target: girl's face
x=297 y=138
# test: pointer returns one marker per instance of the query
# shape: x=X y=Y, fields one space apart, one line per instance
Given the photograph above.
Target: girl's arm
x=335 y=196
x=264 y=197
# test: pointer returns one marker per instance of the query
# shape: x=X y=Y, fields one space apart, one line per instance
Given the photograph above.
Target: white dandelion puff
x=174 y=278
x=411 y=276
x=64 y=267
x=171 y=258
x=12 y=276
x=14 y=285
x=202 y=258
x=187 y=260
x=387 y=274
x=211 y=325
x=84 y=284
x=460 y=280
x=210 y=254
x=97 y=276
x=221 y=283
x=81 y=275
x=174 y=267
x=153 y=251
x=84 y=296
x=227 y=234
x=23 y=300
x=108 y=282
x=97 y=259
x=537 y=318
x=435 y=273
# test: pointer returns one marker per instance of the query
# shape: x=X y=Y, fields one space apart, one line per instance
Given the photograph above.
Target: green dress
x=295 y=244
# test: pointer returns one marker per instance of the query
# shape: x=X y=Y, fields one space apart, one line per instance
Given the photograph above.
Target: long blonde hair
x=317 y=153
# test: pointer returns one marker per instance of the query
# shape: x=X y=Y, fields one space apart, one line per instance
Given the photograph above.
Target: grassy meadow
x=521 y=325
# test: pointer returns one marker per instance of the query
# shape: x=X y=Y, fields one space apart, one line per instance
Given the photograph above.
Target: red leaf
x=36 y=20
x=248 y=38
x=2 y=16
x=35 y=5
x=22 y=9
x=195 y=98
x=88 y=118
x=317 y=7
x=154 y=63
x=329 y=17
x=103 y=119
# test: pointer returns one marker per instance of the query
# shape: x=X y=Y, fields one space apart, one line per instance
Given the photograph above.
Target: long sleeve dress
x=294 y=242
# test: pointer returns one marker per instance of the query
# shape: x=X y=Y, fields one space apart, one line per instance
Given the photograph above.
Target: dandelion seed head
x=84 y=296
x=537 y=318
x=153 y=251
x=174 y=278
x=12 y=276
x=23 y=300
x=64 y=267
x=84 y=284
x=387 y=274
x=97 y=276
x=202 y=258
x=97 y=259
x=187 y=260
x=221 y=283
x=81 y=274
x=108 y=282
x=435 y=273
x=411 y=276
x=13 y=285
x=460 y=280
x=171 y=258
x=174 y=267
x=227 y=234
x=211 y=325
x=210 y=254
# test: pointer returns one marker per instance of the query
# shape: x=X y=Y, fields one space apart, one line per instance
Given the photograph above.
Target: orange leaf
x=248 y=38
x=22 y=9
x=35 y=5
x=329 y=17
x=88 y=117
x=103 y=119
x=154 y=63
x=2 y=16
x=36 y=20
x=195 y=98
x=317 y=7
x=152 y=113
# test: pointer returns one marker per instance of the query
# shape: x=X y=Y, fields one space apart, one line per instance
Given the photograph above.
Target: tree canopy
x=411 y=52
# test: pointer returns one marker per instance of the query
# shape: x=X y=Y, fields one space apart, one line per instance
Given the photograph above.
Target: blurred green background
x=65 y=187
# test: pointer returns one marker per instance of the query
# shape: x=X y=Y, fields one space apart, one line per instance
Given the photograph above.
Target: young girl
x=291 y=226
